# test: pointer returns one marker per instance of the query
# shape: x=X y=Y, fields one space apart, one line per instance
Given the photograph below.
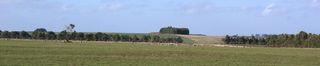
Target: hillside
x=204 y=39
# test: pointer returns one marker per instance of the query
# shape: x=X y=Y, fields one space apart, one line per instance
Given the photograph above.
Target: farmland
x=93 y=53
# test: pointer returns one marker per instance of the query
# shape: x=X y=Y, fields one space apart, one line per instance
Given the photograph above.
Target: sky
x=210 y=17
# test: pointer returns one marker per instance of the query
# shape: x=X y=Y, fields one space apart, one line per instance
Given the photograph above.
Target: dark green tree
x=62 y=35
x=179 y=40
x=14 y=34
x=5 y=34
x=51 y=35
x=24 y=35
x=174 y=30
x=98 y=36
x=80 y=36
x=116 y=37
x=0 y=34
x=39 y=33
x=302 y=35
x=146 y=38
x=89 y=37
x=135 y=38
x=106 y=37
x=155 y=38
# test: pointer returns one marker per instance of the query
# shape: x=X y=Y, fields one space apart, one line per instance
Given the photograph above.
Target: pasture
x=57 y=53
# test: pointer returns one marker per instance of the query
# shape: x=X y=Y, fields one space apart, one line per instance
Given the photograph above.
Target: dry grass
x=205 y=39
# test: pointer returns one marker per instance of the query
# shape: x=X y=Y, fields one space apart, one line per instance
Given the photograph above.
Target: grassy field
x=54 y=53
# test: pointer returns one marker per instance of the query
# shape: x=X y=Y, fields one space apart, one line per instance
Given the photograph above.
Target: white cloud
x=268 y=9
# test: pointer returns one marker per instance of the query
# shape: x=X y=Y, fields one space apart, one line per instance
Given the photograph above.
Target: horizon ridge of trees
x=300 y=40
x=43 y=34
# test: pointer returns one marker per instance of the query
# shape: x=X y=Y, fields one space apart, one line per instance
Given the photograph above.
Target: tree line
x=174 y=30
x=235 y=39
x=300 y=40
x=43 y=34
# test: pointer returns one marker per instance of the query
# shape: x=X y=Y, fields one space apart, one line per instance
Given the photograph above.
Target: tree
x=14 y=34
x=25 y=35
x=39 y=33
x=125 y=38
x=73 y=35
x=80 y=36
x=116 y=37
x=40 y=30
x=5 y=34
x=168 y=30
x=184 y=31
x=0 y=34
x=98 y=36
x=227 y=39
x=135 y=38
x=155 y=38
x=179 y=40
x=69 y=29
x=174 y=30
x=302 y=35
x=146 y=38
x=62 y=35
x=89 y=37
x=106 y=37
x=51 y=35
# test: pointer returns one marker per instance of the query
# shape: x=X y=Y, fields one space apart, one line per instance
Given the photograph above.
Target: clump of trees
x=301 y=40
x=258 y=40
x=43 y=34
x=174 y=30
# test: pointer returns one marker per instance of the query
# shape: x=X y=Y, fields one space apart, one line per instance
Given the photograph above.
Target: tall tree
x=69 y=29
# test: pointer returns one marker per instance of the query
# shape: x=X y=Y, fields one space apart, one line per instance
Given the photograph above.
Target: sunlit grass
x=55 y=53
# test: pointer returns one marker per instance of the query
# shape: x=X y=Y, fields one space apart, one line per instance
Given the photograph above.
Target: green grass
x=53 y=53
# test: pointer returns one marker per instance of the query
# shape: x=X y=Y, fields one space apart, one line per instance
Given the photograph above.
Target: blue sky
x=211 y=17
